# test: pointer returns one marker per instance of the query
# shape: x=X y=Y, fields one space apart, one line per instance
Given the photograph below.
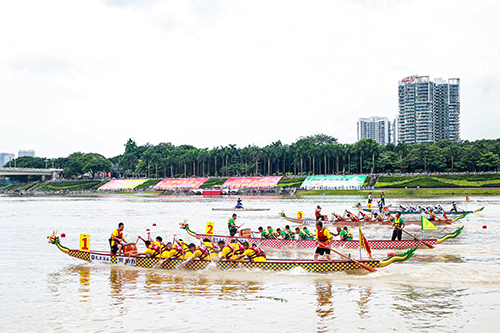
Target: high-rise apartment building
x=22 y=153
x=377 y=128
x=6 y=158
x=429 y=111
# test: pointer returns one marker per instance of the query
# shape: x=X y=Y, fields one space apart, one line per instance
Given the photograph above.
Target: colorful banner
x=334 y=182
x=234 y=182
x=122 y=184
x=181 y=183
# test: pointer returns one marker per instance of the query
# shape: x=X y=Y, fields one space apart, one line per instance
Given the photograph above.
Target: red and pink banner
x=173 y=183
x=251 y=182
x=122 y=184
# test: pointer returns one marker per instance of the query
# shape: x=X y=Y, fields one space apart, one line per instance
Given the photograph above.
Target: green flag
x=428 y=225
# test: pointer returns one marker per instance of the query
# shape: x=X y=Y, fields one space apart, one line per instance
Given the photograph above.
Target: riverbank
x=412 y=192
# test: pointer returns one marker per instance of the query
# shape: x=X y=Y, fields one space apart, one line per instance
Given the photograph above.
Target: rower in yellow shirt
x=200 y=252
x=253 y=253
x=214 y=250
x=185 y=247
x=230 y=250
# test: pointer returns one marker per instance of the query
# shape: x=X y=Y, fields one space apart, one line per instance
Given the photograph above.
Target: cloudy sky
x=88 y=75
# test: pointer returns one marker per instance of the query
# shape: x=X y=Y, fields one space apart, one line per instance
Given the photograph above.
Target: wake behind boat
x=309 y=244
x=269 y=265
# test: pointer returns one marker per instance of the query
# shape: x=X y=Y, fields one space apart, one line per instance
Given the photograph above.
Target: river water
x=454 y=287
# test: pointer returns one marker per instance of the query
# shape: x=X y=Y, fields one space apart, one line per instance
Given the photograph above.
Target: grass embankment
x=213 y=182
x=487 y=180
x=148 y=183
x=426 y=192
x=80 y=185
x=16 y=187
x=291 y=182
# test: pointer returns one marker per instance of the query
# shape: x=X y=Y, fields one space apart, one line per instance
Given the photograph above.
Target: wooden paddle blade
x=365 y=266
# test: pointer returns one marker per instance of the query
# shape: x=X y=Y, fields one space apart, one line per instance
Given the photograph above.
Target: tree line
x=311 y=155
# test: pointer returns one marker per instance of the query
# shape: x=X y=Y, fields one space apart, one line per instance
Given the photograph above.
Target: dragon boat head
x=282 y=213
x=184 y=225
x=53 y=239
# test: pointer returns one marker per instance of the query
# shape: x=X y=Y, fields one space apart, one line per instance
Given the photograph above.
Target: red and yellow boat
x=357 y=223
x=269 y=265
x=309 y=244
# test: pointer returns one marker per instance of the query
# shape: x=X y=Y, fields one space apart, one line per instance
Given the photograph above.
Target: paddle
x=426 y=244
x=368 y=268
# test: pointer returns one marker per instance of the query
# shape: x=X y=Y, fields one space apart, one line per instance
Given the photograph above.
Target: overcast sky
x=87 y=75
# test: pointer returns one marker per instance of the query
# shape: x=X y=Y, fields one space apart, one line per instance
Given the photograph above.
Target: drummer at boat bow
x=116 y=239
x=324 y=238
x=398 y=225
x=231 y=224
x=317 y=211
x=253 y=253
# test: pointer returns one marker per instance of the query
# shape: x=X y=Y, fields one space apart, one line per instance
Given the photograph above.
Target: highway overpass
x=53 y=173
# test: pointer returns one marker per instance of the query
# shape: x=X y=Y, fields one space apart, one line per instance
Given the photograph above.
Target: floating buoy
x=390 y=254
x=63 y=235
x=154 y=224
x=484 y=226
x=147 y=229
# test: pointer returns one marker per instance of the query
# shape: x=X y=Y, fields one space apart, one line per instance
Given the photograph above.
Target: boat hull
x=309 y=244
x=366 y=210
x=270 y=265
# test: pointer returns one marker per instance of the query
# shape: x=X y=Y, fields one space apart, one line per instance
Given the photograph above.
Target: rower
x=289 y=234
x=230 y=250
x=253 y=253
x=116 y=239
x=272 y=232
x=388 y=217
x=202 y=253
x=152 y=250
x=398 y=225
x=377 y=217
x=304 y=234
x=265 y=233
x=214 y=250
x=370 y=200
x=184 y=246
x=454 y=207
x=324 y=238
x=231 y=224
x=346 y=235
x=337 y=217
x=239 y=204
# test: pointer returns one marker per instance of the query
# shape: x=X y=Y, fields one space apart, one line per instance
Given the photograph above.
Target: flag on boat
x=444 y=215
x=428 y=225
x=364 y=244
x=478 y=210
x=460 y=217
x=467 y=199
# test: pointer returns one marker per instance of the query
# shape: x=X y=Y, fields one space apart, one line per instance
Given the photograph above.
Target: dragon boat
x=309 y=244
x=358 y=223
x=394 y=211
x=270 y=265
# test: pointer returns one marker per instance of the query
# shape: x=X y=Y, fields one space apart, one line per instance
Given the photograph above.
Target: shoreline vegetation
x=411 y=185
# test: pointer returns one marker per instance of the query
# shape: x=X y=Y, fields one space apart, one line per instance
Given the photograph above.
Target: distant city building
x=377 y=128
x=428 y=111
x=6 y=158
x=22 y=153
x=394 y=131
